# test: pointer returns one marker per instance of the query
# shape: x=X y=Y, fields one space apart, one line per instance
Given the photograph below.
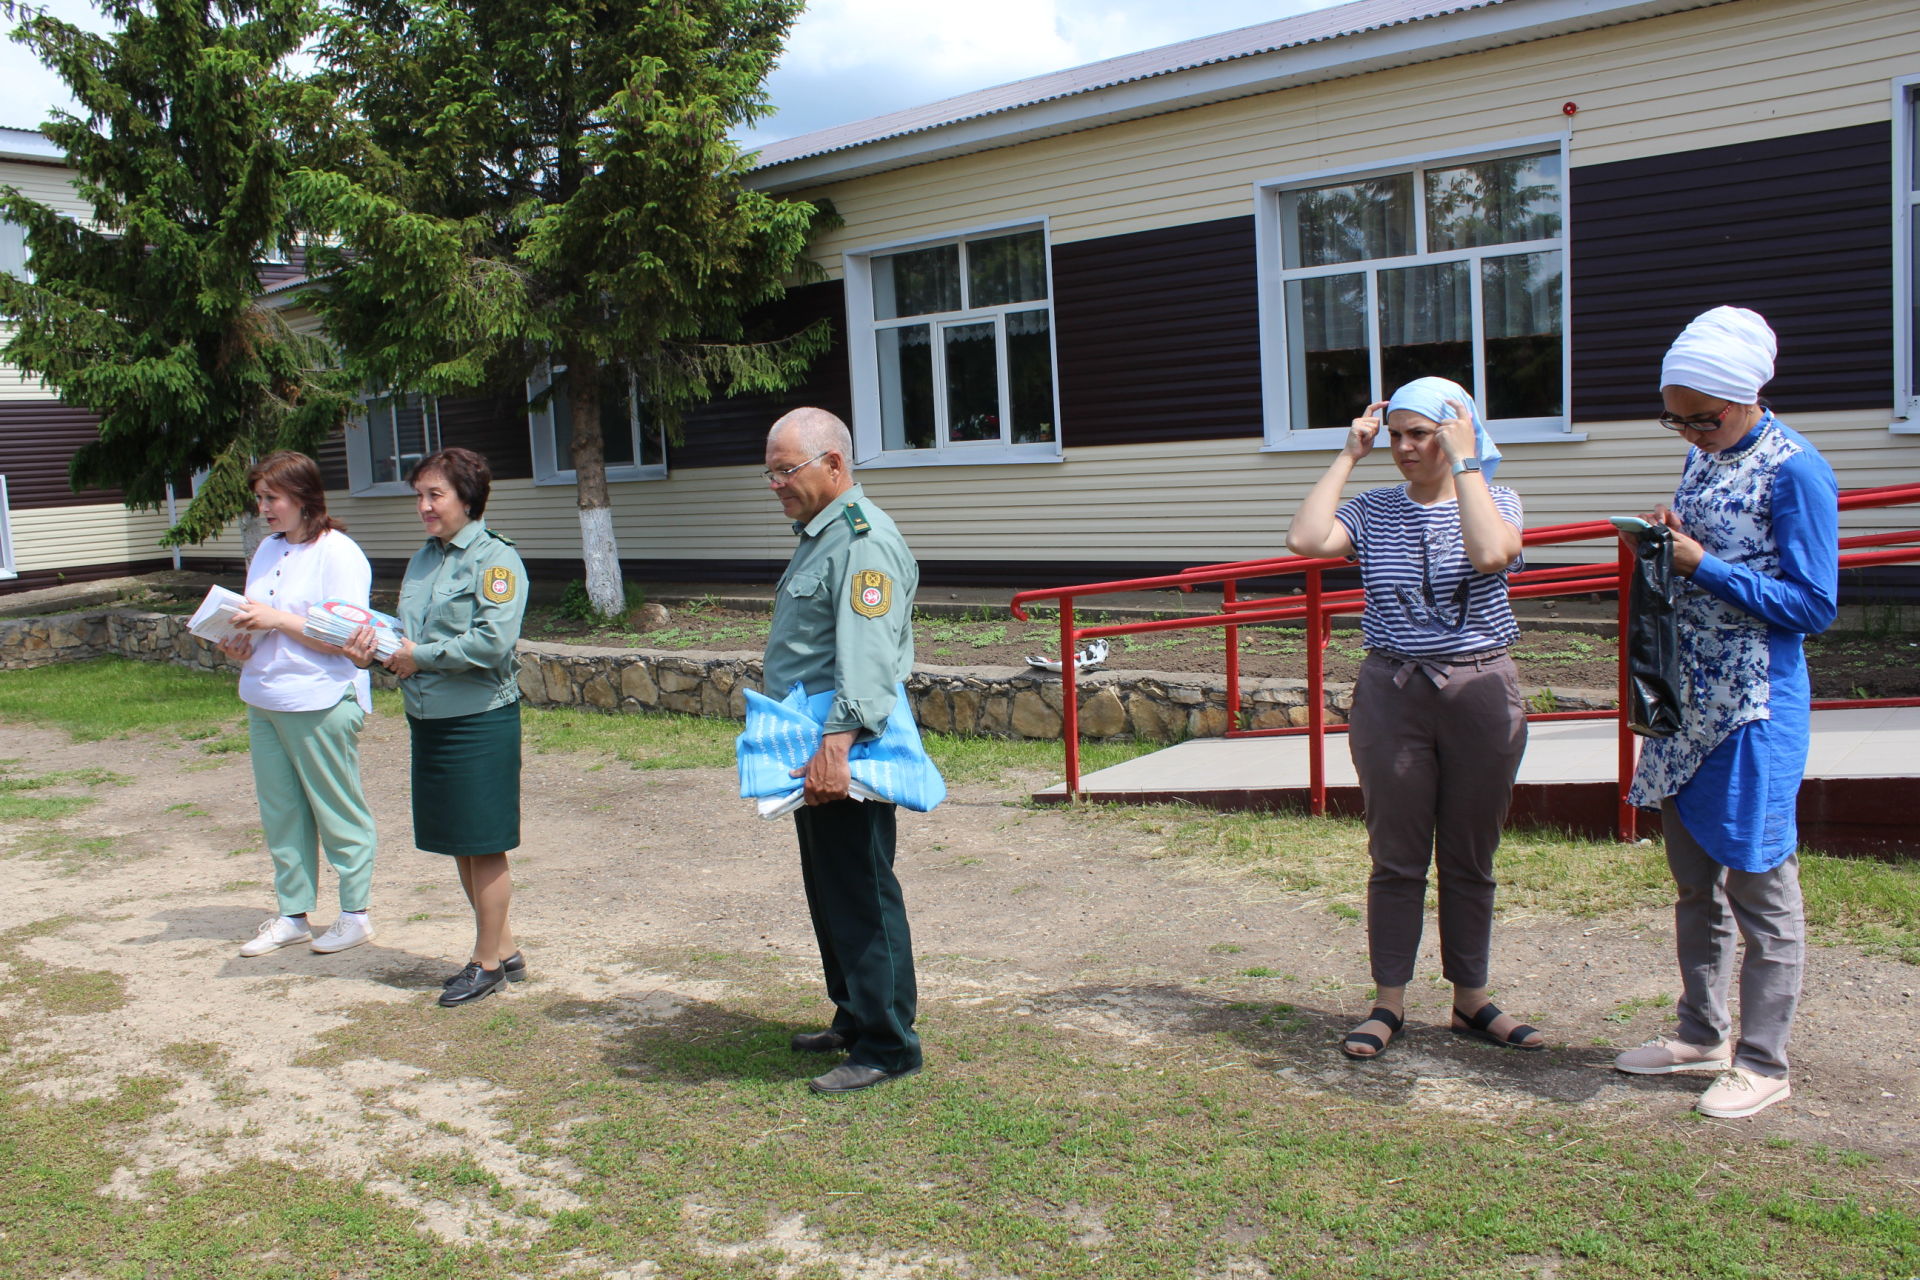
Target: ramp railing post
x=1316 y=697
x=1627 y=818
x=1228 y=595
x=1069 y=702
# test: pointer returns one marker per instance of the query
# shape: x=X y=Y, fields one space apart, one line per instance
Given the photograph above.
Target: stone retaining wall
x=1004 y=702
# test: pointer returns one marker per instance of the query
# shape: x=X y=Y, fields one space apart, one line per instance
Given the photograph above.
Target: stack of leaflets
x=335 y=621
x=213 y=620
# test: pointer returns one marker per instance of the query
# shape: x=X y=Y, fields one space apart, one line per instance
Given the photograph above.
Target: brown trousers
x=1436 y=766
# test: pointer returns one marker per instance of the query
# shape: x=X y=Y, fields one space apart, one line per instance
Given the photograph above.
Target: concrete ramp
x=1862 y=793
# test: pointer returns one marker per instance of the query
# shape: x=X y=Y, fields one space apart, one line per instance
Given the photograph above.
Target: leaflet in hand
x=335 y=621
x=213 y=620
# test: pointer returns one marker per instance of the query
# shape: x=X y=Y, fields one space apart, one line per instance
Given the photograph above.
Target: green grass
x=116 y=697
x=1873 y=905
x=1023 y=1150
x=665 y=740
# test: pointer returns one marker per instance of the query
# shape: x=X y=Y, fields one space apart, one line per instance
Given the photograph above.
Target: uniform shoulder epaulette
x=856 y=519
x=503 y=537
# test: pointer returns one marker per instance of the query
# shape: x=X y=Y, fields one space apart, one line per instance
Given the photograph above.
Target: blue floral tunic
x=1765 y=511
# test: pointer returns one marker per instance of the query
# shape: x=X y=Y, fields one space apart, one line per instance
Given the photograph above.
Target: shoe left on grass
x=1739 y=1093
x=851 y=1077
x=472 y=983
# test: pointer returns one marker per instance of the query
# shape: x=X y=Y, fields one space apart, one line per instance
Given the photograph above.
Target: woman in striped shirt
x=1438 y=725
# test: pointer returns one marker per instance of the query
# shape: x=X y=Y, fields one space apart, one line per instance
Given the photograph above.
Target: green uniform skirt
x=466 y=782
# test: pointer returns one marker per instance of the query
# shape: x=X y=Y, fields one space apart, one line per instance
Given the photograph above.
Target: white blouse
x=283 y=674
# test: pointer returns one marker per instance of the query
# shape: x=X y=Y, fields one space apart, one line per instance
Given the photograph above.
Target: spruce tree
x=149 y=312
x=554 y=181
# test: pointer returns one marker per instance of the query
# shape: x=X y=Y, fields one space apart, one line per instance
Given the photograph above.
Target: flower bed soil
x=1843 y=664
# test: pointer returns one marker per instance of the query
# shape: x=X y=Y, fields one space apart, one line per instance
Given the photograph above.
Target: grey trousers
x=1436 y=768
x=1765 y=906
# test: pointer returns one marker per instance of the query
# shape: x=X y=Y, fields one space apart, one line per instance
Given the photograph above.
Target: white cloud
x=849 y=59
x=29 y=90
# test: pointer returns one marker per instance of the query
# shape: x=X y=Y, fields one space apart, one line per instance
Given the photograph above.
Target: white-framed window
x=7 y=569
x=1906 y=253
x=13 y=251
x=1451 y=266
x=634 y=446
x=391 y=434
x=950 y=343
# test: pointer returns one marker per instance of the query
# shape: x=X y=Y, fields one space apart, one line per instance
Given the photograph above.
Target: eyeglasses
x=1698 y=422
x=1428 y=613
x=781 y=477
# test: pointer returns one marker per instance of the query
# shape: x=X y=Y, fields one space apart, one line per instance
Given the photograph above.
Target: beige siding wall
x=1216 y=500
x=1710 y=77
x=52 y=186
x=74 y=537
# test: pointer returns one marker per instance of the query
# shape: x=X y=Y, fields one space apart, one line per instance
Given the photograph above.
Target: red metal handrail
x=1316 y=607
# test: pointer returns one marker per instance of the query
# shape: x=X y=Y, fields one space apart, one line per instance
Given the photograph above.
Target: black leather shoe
x=471 y=983
x=514 y=966
x=817 y=1042
x=851 y=1077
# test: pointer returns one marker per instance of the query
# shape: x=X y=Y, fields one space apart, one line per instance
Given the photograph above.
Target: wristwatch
x=1466 y=464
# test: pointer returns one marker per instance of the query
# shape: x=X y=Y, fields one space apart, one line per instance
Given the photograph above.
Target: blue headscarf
x=1428 y=397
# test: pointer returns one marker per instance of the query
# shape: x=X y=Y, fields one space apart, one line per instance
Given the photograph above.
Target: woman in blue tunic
x=1755 y=524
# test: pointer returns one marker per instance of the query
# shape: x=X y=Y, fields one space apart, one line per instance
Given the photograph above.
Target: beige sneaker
x=1662 y=1056
x=349 y=929
x=1740 y=1092
x=274 y=933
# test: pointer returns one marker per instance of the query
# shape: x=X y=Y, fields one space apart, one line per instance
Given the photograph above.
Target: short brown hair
x=298 y=477
x=466 y=471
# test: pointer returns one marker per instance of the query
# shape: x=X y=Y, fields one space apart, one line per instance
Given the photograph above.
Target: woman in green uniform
x=461 y=604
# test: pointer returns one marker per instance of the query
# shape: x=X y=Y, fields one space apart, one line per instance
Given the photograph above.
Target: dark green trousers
x=860 y=921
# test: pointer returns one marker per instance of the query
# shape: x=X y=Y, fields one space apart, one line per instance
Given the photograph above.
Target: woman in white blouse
x=305 y=703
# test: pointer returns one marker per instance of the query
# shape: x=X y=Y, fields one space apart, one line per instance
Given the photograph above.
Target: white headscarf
x=1428 y=397
x=1726 y=352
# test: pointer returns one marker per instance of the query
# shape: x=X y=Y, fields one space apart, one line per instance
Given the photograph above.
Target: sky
x=849 y=59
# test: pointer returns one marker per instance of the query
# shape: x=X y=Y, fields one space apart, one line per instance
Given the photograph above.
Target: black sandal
x=1489 y=1014
x=1393 y=1024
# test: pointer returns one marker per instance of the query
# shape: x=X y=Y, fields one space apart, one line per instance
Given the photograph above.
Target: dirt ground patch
x=1030 y=915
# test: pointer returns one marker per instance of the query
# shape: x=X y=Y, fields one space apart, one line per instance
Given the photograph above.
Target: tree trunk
x=597 y=545
x=253 y=532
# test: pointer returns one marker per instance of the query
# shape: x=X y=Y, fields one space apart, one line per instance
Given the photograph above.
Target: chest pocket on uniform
x=804 y=586
x=452 y=608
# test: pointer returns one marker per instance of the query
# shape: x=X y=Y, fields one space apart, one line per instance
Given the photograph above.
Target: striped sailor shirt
x=1424 y=598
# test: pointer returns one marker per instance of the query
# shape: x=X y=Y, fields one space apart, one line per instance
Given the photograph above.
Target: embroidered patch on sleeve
x=872 y=593
x=497 y=584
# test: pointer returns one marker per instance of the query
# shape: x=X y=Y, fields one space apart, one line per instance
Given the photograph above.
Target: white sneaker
x=274 y=933
x=1662 y=1056
x=1740 y=1092
x=349 y=929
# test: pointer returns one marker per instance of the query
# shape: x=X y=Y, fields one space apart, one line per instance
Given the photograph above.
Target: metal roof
x=1518 y=20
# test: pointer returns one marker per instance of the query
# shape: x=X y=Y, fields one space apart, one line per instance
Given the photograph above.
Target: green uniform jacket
x=461 y=603
x=843 y=614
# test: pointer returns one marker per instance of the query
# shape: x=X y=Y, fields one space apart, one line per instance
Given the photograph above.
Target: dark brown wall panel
x=494 y=426
x=1158 y=335
x=38 y=439
x=1797 y=228
x=332 y=457
x=734 y=432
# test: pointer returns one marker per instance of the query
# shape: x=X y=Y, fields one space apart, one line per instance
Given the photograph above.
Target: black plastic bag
x=1653 y=638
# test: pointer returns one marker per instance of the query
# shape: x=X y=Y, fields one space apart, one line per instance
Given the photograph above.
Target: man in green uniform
x=843 y=620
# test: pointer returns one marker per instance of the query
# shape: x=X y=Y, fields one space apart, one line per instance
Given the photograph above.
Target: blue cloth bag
x=782 y=736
